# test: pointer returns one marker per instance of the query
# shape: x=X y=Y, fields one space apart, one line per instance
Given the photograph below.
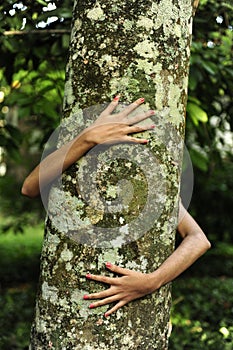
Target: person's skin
x=133 y=285
x=112 y=128
x=108 y=128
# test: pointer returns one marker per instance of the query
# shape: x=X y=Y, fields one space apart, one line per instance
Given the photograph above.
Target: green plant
x=202 y=314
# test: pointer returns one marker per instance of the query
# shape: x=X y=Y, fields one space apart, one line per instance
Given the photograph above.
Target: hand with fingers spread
x=133 y=285
x=130 y=286
x=108 y=128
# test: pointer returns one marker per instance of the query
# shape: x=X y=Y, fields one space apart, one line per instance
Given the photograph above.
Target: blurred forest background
x=34 y=39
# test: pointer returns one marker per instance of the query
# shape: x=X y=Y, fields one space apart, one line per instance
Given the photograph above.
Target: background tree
x=137 y=49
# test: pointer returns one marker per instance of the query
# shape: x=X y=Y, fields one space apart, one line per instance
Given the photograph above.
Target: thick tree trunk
x=118 y=203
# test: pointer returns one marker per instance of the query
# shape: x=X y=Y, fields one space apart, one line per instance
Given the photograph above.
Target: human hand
x=130 y=286
x=111 y=128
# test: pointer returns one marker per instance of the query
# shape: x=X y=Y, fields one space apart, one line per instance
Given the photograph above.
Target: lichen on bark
x=118 y=203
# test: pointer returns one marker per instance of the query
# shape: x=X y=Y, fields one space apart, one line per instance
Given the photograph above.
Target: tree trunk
x=118 y=203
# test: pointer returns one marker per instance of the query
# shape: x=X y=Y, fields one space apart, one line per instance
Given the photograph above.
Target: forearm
x=108 y=128
x=54 y=164
x=190 y=249
x=133 y=284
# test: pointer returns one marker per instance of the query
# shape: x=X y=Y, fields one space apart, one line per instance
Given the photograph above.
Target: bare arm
x=108 y=128
x=193 y=245
x=133 y=285
x=53 y=165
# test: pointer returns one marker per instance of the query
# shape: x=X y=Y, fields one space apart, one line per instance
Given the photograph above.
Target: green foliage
x=15 y=208
x=19 y=271
x=32 y=65
x=19 y=256
x=202 y=314
x=210 y=83
x=27 y=52
x=32 y=72
x=17 y=306
x=195 y=112
x=212 y=201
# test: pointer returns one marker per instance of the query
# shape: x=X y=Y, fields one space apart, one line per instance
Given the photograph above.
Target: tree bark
x=118 y=203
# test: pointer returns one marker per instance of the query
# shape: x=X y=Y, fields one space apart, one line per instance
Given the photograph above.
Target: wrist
x=154 y=281
x=87 y=138
x=76 y=149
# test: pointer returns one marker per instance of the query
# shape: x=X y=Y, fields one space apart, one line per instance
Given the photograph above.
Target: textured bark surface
x=118 y=203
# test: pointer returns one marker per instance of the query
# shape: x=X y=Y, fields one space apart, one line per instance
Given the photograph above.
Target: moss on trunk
x=118 y=203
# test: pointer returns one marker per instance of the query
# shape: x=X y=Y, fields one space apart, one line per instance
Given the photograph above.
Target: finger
x=140 y=117
x=111 y=107
x=137 y=140
x=130 y=108
x=115 y=308
x=105 y=301
x=139 y=128
x=128 y=139
x=117 y=269
x=99 y=295
x=100 y=278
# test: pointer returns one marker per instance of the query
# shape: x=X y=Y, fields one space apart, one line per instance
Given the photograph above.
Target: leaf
x=196 y=113
x=14 y=133
x=14 y=154
x=65 y=13
x=196 y=74
x=47 y=88
x=24 y=112
x=65 y=41
x=42 y=2
x=3 y=140
x=192 y=82
x=194 y=100
x=199 y=159
x=210 y=67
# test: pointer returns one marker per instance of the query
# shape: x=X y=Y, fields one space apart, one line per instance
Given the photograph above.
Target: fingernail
x=106 y=314
x=91 y=306
x=85 y=297
x=145 y=141
x=152 y=112
x=108 y=264
x=152 y=126
x=141 y=99
x=116 y=98
x=88 y=275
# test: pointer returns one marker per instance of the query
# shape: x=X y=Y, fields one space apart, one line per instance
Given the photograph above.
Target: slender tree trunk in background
x=118 y=203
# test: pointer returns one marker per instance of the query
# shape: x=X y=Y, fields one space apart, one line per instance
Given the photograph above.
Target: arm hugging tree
x=119 y=203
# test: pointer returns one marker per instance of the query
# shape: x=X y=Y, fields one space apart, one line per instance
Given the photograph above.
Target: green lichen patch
x=140 y=48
